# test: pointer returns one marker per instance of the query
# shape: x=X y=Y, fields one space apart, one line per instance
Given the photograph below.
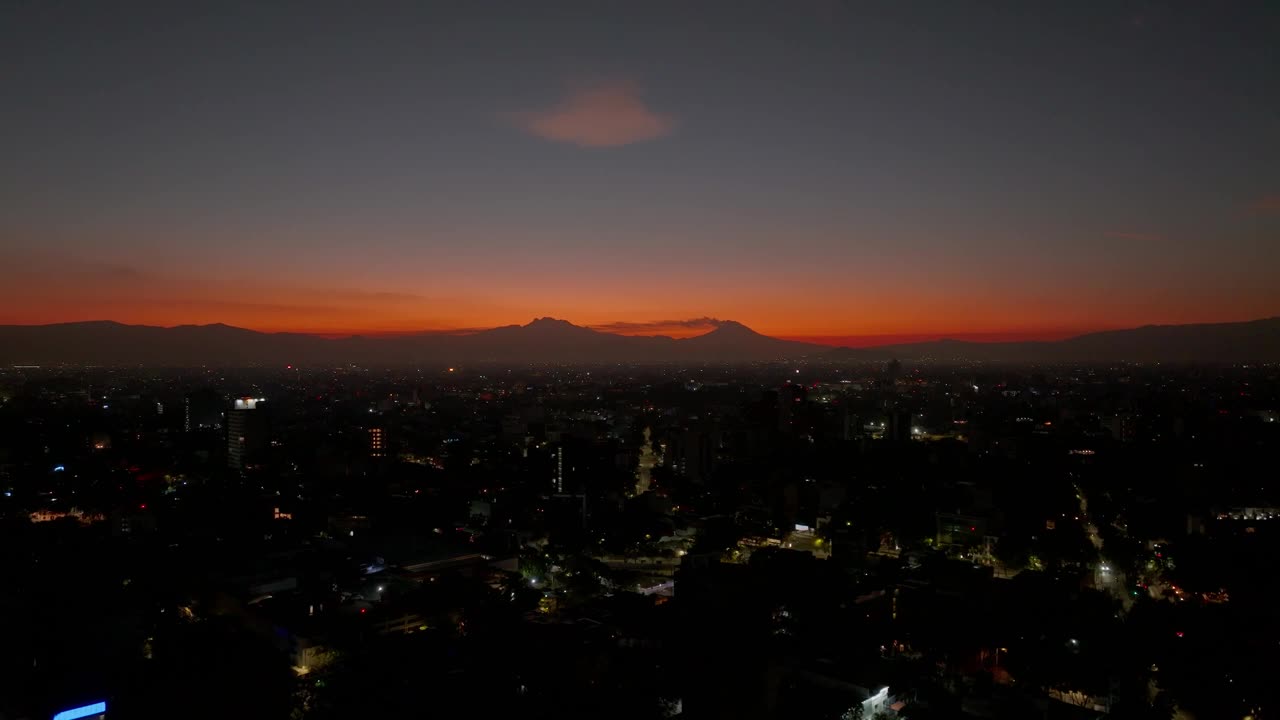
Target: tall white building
x=246 y=430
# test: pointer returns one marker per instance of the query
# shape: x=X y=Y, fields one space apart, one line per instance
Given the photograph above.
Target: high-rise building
x=693 y=453
x=377 y=442
x=791 y=398
x=892 y=372
x=850 y=429
x=202 y=409
x=246 y=431
x=899 y=428
x=1123 y=427
x=558 y=476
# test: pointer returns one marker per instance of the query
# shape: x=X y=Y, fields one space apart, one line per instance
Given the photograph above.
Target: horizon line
x=834 y=340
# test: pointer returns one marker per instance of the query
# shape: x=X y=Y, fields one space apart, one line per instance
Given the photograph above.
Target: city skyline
x=813 y=170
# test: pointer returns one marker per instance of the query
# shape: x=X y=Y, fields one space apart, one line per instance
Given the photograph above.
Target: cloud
x=1124 y=235
x=599 y=116
x=659 y=326
x=1267 y=205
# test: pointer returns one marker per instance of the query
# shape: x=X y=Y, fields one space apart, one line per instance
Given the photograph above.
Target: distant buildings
x=966 y=530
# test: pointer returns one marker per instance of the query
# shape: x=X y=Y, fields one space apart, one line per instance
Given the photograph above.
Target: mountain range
x=548 y=340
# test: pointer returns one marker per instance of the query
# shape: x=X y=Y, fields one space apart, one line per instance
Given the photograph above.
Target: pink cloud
x=598 y=116
x=1122 y=235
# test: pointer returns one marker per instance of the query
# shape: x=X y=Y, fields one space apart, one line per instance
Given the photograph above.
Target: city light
x=84 y=711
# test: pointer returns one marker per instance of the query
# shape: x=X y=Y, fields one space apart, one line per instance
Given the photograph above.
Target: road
x=1105 y=576
x=647 y=461
x=805 y=541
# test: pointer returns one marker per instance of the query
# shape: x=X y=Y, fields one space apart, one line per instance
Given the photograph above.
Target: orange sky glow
x=814 y=310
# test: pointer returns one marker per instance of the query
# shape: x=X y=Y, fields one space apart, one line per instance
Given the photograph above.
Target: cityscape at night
x=819 y=359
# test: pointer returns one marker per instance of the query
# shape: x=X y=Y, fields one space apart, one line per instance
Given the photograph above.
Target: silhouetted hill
x=112 y=343
x=1251 y=341
x=735 y=339
x=558 y=341
x=542 y=340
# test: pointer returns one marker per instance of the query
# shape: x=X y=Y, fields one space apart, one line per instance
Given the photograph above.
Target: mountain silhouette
x=550 y=340
x=730 y=338
x=1250 y=341
x=543 y=340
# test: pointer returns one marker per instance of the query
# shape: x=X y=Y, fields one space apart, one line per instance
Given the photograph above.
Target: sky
x=821 y=169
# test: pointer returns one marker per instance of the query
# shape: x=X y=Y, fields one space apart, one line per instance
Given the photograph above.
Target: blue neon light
x=59 y=468
x=97 y=708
